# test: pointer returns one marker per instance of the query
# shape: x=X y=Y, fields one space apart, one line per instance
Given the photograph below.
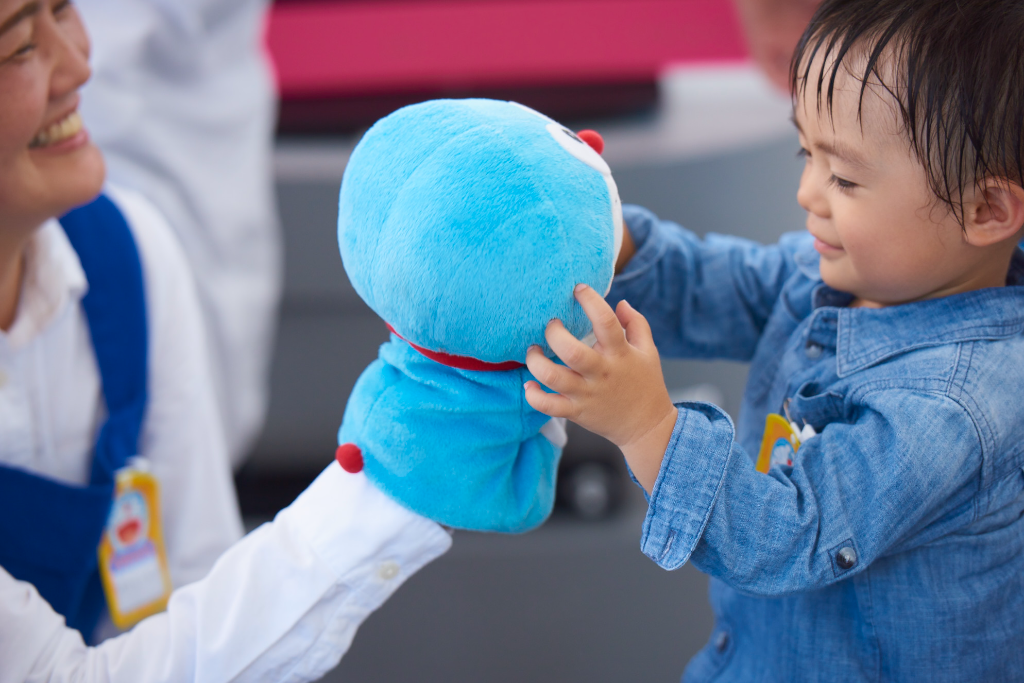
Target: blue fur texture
x=457 y=446
x=465 y=224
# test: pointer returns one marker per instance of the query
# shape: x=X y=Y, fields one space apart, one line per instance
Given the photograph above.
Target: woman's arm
x=283 y=603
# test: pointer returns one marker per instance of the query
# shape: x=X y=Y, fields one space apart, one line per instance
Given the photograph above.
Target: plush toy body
x=465 y=224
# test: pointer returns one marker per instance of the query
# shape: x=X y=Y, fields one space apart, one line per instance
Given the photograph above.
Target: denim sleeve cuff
x=691 y=476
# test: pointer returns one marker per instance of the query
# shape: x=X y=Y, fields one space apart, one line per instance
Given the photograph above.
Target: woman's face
x=47 y=162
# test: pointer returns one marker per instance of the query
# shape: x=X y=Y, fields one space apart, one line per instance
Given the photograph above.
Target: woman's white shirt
x=51 y=401
x=283 y=604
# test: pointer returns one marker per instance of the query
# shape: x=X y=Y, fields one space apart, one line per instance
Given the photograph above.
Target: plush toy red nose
x=592 y=138
x=349 y=457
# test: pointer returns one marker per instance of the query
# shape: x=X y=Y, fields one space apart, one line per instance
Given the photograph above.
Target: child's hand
x=615 y=389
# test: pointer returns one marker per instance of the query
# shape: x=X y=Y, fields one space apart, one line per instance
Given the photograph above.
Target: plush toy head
x=465 y=224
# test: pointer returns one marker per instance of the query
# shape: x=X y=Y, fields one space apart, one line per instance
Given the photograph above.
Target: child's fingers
x=554 y=405
x=551 y=374
x=638 y=331
x=571 y=350
x=607 y=329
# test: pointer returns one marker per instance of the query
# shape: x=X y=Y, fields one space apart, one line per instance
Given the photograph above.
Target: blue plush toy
x=465 y=225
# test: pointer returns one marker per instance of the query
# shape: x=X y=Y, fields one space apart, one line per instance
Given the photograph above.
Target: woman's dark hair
x=955 y=70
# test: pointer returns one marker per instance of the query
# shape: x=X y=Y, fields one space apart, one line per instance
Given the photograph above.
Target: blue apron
x=49 y=531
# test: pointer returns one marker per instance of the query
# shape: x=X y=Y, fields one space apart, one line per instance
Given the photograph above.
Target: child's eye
x=843 y=185
x=60 y=6
x=802 y=153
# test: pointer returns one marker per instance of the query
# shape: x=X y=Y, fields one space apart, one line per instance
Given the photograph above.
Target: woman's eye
x=802 y=153
x=60 y=6
x=23 y=50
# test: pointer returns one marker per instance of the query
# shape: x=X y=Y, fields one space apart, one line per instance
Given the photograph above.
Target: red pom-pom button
x=349 y=457
x=592 y=138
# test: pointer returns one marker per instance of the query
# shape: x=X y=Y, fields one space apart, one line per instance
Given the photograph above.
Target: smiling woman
x=114 y=477
x=47 y=162
x=101 y=345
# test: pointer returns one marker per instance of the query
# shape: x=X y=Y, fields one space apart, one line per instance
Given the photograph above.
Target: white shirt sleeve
x=182 y=436
x=282 y=604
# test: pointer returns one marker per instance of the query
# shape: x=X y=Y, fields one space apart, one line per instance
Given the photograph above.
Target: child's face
x=47 y=162
x=881 y=233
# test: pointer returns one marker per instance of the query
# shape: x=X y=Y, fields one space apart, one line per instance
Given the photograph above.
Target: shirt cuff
x=687 y=486
x=357 y=530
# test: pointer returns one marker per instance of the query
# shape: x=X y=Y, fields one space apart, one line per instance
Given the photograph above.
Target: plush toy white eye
x=571 y=143
x=532 y=111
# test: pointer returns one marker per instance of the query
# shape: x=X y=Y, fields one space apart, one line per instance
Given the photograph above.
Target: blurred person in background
x=773 y=28
x=182 y=105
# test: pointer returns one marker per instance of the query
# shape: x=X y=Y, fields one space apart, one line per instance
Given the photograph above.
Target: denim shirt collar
x=867 y=336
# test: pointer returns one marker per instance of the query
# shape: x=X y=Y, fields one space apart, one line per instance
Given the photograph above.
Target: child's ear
x=995 y=212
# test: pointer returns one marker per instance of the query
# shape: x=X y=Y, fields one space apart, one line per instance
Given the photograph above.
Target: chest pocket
x=810 y=405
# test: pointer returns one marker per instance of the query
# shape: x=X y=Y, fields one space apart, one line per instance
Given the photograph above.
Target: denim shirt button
x=846 y=557
x=722 y=641
x=813 y=351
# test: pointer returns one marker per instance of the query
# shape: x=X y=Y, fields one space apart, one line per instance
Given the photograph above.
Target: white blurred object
x=554 y=431
x=702 y=393
x=181 y=102
x=702 y=111
x=807 y=432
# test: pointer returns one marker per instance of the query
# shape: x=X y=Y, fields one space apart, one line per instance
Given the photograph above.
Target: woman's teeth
x=67 y=127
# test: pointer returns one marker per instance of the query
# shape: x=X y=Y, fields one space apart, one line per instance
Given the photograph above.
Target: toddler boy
x=890 y=546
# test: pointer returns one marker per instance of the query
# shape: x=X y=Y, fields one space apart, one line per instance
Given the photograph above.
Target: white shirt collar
x=53 y=278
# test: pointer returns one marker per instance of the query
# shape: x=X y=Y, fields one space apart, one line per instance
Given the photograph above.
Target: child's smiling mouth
x=59 y=131
x=824 y=248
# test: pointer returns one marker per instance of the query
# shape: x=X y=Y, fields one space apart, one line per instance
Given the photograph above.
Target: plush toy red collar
x=460 y=362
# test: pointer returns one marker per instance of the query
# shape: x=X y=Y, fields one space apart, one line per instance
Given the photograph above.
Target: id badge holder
x=779 y=443
x=132 y=557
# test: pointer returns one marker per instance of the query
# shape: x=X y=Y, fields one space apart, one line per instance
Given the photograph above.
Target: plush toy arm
x=461 y=448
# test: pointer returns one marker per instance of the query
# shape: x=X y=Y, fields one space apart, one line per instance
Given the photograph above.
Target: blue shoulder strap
x=50 y=531
x=115 y=307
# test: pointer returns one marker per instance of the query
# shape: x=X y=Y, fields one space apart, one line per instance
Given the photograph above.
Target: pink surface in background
x=336 y=48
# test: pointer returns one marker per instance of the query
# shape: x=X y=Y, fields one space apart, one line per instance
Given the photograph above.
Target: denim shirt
x=893 y=546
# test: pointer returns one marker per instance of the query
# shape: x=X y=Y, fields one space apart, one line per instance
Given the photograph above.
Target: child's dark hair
x=955 y=69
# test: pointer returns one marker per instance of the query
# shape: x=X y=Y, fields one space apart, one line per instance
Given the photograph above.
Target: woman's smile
x=62 y=135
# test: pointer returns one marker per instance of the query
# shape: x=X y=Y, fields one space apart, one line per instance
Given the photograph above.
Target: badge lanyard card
x=132 y=557
x=780 y=442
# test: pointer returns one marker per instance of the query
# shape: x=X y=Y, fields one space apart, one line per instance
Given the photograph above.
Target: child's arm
x=890 y=470
x=903 y=471
x=704 y=298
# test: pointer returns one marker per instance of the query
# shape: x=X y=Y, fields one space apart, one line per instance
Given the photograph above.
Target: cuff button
x=846 y=558
x=388 y=570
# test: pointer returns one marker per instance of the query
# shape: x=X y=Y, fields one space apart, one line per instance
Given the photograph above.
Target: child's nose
x=809 y=195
